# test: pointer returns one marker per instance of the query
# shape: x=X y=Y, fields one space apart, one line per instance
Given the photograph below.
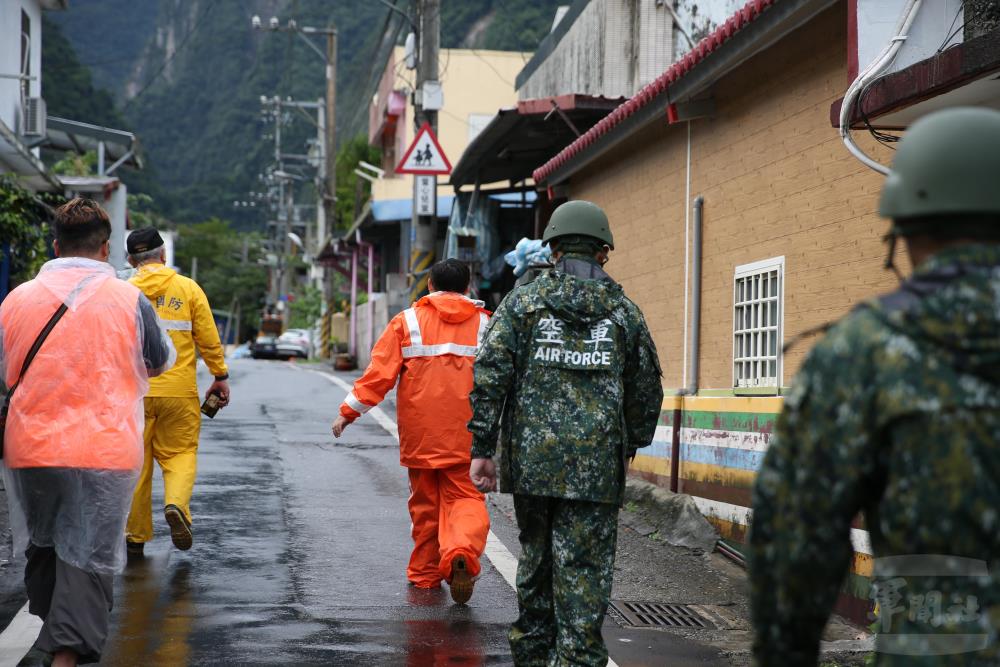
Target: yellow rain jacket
x=183 y=308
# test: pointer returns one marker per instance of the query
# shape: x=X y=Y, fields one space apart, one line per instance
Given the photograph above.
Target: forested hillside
x=187 y=76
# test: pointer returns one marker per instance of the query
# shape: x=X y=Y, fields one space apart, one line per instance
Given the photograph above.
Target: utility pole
x=327 y=180
x=424 y=227
x=329 y=205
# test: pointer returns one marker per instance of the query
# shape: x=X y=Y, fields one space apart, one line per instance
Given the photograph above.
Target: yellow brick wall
x=776 y=181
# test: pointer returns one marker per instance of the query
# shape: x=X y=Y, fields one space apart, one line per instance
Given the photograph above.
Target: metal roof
x=394 y=210
x=754 y=27
x=518 y=139
x=120 y=147
x=17 y=158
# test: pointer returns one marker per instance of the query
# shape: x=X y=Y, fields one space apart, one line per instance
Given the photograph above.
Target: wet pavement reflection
x=300 y=549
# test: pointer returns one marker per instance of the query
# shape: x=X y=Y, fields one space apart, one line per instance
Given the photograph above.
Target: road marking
x=383 y=420
x=496 y=551
x=19 y=636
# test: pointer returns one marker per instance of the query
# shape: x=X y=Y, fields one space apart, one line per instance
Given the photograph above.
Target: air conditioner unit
x=34 y=117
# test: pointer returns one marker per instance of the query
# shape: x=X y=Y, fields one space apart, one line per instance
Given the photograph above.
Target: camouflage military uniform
x=570 y=364
x=895 y=414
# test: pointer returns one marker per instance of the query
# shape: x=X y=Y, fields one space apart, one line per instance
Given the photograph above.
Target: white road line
x=496 y=551
x=19 y=636
x=383 y=420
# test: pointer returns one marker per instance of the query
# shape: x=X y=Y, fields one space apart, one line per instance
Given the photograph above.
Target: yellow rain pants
x=171 y=438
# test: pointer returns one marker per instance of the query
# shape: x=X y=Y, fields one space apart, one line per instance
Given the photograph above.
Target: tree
x=228 y=268
x=350 y=153
x=306 y=309
x=24 y=228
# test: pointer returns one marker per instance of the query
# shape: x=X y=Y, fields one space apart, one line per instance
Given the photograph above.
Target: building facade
x=742 y=225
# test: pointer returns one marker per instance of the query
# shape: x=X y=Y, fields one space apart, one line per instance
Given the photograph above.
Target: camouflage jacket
x=896 y=415
x=570 y=364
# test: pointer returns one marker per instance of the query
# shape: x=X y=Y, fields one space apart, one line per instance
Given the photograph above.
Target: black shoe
x=36 y=657
x=134 y=549
x=180 y=527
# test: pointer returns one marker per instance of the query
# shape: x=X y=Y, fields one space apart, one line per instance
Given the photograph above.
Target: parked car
x=294 y=343
x=265 y=347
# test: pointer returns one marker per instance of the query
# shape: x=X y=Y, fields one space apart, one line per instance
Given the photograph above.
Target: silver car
x=294 y=343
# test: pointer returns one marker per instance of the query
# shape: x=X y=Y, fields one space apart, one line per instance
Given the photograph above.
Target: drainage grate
x=657 y=615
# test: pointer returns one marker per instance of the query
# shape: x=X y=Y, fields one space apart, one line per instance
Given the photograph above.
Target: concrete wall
x=613 y=48
x=10 y=57
x=777 y=181
x=375 y=310
x=475 y=83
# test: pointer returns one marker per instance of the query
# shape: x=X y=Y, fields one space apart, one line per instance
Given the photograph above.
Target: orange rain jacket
x=430 y=348
x=80 y=405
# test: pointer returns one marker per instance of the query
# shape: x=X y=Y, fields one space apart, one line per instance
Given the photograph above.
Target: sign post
x=425 y=195
x=425 y=160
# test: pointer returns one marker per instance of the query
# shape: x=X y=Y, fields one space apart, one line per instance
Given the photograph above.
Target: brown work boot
x=461 y=583
x=180 y=527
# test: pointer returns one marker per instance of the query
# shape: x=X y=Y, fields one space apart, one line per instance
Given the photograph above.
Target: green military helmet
x=947 y=163
x=579 y=218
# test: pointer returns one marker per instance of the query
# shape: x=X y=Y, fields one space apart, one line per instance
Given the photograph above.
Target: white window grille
x=758 y=300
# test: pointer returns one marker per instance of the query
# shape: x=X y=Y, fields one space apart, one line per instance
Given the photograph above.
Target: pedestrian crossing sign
x=424 y=156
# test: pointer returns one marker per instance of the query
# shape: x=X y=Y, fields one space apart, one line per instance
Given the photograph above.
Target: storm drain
x=658 y=615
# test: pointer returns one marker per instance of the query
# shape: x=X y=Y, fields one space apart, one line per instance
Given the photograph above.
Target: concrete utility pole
x=326 y=215
x=425 y=226
x=329 y=205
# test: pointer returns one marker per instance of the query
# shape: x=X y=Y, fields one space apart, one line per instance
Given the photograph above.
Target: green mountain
x=67 y=85
x=187 y=76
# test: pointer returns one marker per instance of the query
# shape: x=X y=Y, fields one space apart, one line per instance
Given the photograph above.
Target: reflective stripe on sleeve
x=354 y=404
x=439 y=350
x=176 y=325
x=414 y=327
x=483 y=320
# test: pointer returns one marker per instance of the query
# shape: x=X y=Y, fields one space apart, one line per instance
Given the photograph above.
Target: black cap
x=143 y=240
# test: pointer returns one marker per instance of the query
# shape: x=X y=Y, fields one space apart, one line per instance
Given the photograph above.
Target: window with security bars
x=758 y=301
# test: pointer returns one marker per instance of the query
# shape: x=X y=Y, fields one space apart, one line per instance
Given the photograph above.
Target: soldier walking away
x=569 y=379
x=430 y=349
x=896 y=415
x=77 y=346
x=173 y=418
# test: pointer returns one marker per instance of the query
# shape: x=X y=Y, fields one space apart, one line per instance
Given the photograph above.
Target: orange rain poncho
x=79 y=407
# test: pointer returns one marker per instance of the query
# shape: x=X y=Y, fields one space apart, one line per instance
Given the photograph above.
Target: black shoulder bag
x=24 y=367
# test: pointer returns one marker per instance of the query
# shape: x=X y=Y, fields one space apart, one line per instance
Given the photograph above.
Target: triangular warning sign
x=424 y=156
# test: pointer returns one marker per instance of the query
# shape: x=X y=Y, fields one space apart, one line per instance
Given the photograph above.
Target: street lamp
x=330 y=59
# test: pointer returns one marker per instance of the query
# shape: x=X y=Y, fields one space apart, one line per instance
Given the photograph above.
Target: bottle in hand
x=211 y=406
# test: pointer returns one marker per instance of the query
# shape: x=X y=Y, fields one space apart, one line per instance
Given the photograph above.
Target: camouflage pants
x=563 y=581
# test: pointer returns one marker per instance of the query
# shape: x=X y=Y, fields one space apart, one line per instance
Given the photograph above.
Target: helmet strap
x=890 y=260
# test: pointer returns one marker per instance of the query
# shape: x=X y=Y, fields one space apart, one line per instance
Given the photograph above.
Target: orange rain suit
x=430 y=348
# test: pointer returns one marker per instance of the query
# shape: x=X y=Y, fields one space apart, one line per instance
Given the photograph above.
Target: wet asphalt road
x=300 y=550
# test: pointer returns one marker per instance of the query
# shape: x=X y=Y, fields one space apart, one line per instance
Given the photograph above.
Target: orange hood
x=452 y=307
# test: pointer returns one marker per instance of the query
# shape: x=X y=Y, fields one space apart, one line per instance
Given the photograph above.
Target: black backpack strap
x=46 y=330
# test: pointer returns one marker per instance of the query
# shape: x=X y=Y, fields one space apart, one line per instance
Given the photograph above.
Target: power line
x=495 y=70
x=163 y=67
x=389 y=35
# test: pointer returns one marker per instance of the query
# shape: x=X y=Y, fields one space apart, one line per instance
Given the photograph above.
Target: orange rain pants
x=449 y=519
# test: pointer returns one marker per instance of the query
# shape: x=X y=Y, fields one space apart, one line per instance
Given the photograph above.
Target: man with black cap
x=173 y=419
